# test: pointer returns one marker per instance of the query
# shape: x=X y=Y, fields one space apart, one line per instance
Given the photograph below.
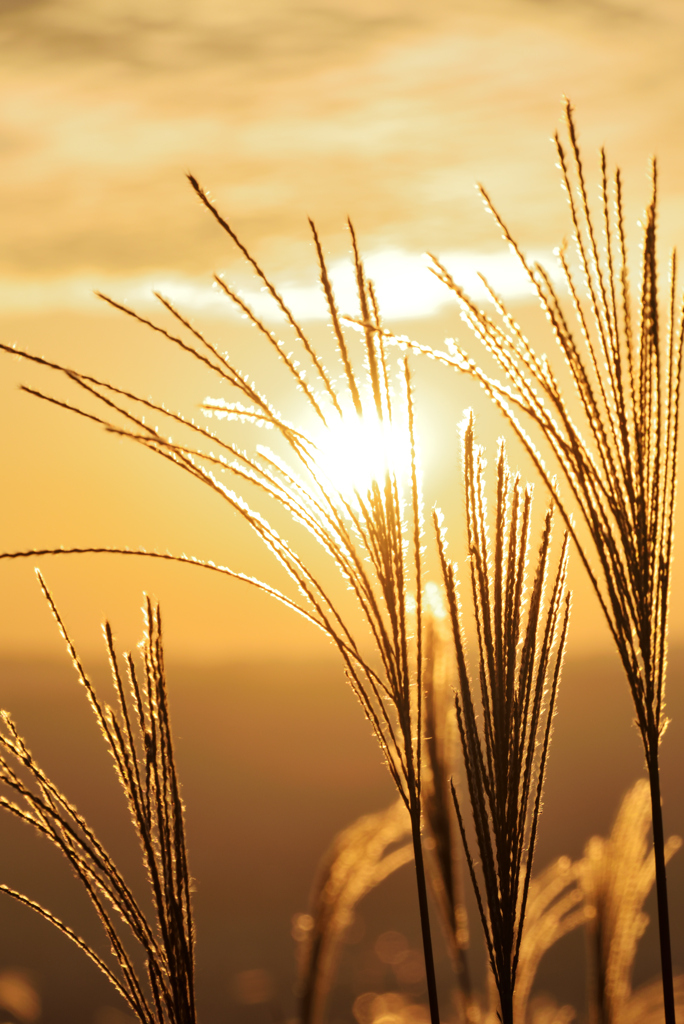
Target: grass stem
x=661 y=889
x=424 y=914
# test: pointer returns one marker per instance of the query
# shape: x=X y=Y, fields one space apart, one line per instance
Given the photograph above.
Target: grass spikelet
x=138 y=736
x=504 y=721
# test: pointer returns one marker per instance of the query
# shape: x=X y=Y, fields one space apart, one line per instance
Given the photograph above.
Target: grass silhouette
x=618 y=457
x=372 y=532
x=504 y=724
x=619 y=465
x=138 y=735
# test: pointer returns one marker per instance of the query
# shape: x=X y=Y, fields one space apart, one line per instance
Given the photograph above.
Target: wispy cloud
x=386 y=110
x=404 y=284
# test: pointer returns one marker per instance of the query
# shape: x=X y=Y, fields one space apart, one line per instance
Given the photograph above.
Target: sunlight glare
x=356 y=451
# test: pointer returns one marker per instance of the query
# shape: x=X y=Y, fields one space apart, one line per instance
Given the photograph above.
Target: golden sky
x=387 y=110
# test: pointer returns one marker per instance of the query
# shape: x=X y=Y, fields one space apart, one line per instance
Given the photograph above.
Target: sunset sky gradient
x=386 y=110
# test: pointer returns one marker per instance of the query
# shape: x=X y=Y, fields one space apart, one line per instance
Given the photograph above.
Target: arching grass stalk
x=138 y=736
x=369 y=527
x=614 y=441
x=504 y=721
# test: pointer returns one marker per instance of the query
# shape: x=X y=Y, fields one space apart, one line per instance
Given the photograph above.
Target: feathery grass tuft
x=369 y=525
x=505 y=723
x=138 y=736
x=613 y=433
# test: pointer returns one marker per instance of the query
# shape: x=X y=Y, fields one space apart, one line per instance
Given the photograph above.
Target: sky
x=388 y=111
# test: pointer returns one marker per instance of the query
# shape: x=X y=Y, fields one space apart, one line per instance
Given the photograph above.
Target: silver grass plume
x=504 y=721
x=138 y=735
x=613 y=433
x=370 y=536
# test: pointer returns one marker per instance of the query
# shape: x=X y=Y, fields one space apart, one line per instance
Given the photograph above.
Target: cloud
x=384 y=109
x=154 y=35
x=405 y=287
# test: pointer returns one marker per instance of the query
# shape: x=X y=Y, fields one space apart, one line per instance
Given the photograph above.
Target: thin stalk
x=424 y=914
x=661 y=887
x=506 y=1004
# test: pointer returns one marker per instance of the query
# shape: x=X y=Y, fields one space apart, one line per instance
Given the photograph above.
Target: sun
x=352 y=453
